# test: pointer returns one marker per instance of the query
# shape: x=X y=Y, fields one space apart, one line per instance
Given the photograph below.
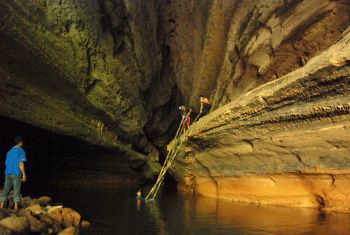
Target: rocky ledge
x=38 y=216
x=285 y=142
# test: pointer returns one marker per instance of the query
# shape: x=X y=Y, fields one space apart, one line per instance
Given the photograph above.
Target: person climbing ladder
x=173 y=149
x=186 y=118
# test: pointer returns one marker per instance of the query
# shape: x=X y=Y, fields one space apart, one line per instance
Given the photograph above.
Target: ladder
x=177 y=142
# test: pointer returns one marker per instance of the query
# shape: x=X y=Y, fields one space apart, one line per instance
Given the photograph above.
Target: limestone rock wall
x=224 y=48
x=112 y=72
x=285 y=142
x=89 y=69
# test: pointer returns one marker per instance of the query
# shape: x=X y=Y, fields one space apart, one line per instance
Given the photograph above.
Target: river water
x=114 y=209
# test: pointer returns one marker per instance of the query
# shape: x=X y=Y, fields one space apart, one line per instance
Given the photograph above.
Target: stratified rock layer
x=285 y=142
x=223 y=49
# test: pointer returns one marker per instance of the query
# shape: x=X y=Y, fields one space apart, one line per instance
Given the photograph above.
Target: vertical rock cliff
x=282 y=135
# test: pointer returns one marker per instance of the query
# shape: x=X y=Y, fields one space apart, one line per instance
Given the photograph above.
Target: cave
x=55 y=157
x=95 y=87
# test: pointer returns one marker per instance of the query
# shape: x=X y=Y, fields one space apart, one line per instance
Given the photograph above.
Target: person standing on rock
x=205 y=106
x=15 y=172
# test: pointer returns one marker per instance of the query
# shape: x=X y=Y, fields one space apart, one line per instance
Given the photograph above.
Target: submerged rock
x=69 y=231
x=85 y=224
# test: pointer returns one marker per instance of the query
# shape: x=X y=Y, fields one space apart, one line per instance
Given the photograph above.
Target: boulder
x=85 y=224
x=55 y=226
x=34 y=202
x=67 y=217
x=25 y=201
x=4 y=213
x=69 y=231
x=19 y=225
x=35 y=224
x=35 y=209
x=52 y=208
x=46 y=219
x=44 y=200
x=5 y=231
x=27 y=198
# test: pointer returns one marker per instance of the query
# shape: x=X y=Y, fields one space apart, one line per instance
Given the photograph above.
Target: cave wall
x=222 y=49
x=112 y=72
x=285 y=142
x=88 y=69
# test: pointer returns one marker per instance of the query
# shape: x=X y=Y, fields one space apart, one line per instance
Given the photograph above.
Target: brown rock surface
x=285 y=142
x=67 y=217
x=44 y=200
x=85 y=224
x=20 y=225
x=5 y=231
x=36 y=225
x=69 y=231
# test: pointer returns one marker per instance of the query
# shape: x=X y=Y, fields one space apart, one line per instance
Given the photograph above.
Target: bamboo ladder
x=178 y=140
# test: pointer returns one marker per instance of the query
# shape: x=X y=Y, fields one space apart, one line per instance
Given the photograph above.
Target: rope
x=190 y=129
x=169 y=158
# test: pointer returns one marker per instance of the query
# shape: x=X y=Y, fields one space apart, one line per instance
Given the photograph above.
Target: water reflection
x=155 y=212
x=187 y=215
x=115 y=210
x=248 y=219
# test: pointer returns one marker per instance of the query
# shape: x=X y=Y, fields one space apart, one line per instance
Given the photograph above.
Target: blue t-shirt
x=13 y=158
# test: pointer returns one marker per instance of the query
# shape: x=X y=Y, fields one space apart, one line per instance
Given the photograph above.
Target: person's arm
x=24 y=176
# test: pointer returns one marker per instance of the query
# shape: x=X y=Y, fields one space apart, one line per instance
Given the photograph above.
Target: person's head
x=19 y=140
x=201 y=97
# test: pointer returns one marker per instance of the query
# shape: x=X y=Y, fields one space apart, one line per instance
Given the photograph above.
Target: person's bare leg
x=2 y=205
x=16 y=206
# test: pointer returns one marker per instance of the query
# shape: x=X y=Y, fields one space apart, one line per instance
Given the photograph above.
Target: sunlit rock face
x=279 y=132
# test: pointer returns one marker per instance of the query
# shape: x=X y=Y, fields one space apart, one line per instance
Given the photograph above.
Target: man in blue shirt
x=14 y=172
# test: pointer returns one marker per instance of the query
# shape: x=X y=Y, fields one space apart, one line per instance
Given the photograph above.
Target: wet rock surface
x=33 y=218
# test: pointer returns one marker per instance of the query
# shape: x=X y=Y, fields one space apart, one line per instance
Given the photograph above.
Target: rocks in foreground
x=38 y=216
